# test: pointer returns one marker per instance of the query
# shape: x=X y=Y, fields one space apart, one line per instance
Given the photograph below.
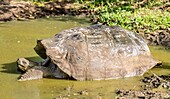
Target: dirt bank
x=29 y=10
x=158 y=37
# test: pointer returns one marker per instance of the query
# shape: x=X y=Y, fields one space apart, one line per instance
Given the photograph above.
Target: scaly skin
x=31 y=75
x=33 y=70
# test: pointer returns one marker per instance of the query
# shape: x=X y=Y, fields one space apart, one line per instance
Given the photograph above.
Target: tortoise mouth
x=21 y=69
x=40 y=50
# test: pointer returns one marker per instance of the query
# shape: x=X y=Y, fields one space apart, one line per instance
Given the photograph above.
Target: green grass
x=142 y=18
x=135 y=15
x=130 y=14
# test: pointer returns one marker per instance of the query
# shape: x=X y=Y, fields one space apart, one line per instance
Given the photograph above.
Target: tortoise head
x=22 y=64
x=25 y=64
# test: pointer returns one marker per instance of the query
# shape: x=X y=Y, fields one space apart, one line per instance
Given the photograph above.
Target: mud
x=144 y=94
x=159 y=37
x=152 y=82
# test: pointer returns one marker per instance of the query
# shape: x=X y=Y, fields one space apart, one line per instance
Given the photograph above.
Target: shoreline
x=32 y=10
x=23 y=11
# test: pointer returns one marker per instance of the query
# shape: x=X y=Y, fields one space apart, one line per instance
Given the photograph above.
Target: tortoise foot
x=31 y=74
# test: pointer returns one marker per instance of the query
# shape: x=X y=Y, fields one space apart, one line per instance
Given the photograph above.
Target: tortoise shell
x=98 y=52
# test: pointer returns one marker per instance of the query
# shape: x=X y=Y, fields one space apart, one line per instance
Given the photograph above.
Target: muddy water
x=17 y=39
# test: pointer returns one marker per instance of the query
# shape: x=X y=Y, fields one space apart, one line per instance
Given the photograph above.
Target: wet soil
x=144 y=94
x=158 y=37
x=150 y=89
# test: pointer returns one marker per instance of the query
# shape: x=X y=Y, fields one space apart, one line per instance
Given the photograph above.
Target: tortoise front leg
x=46 y=62
x=36 y=72
x=31 y=74
x=33 y=70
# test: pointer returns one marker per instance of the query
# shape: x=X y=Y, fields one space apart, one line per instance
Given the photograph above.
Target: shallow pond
x=17 y=39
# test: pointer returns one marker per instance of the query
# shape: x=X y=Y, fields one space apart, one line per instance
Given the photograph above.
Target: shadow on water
x=165 y=65
x=160 y=48
x=12 y=67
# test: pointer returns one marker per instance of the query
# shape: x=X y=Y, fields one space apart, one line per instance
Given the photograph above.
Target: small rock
x=83 y=92
x=75 y=94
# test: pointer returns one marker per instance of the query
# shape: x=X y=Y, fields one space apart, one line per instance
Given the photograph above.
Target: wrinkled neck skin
x=46 y=62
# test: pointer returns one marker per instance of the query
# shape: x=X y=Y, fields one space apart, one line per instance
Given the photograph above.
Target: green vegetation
x=136 y=15
x=146 y=15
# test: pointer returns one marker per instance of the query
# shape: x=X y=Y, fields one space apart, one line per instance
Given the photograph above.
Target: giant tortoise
x=96 y=52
